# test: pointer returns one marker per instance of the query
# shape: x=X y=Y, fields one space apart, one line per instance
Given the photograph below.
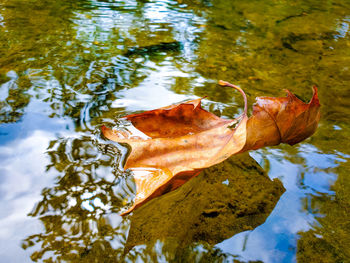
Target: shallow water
x=68 y=67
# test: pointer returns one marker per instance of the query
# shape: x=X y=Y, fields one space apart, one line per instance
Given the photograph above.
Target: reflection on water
x=68 y=67
x=80 y=217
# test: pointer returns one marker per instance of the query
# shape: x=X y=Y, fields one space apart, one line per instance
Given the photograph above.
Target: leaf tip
x=314 y=99
x=104 y=129
x=125 y=213
x=290 y=95
x=109 y=134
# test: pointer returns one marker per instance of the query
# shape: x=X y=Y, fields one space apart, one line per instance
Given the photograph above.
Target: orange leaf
x=282 y=120
x=184 y=138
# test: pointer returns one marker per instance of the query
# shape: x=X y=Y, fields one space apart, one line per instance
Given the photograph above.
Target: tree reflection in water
x=80 y=213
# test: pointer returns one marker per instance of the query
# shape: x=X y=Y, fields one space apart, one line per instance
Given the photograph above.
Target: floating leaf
x=282 y=120
x=184 y=138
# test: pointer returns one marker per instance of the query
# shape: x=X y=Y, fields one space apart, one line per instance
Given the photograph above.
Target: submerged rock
x=225 y=199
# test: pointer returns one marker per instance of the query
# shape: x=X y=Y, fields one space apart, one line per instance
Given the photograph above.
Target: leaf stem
x=228 y=84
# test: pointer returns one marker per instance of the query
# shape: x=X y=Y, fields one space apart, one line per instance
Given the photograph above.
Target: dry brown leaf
x=282 y=120
x=184 y=138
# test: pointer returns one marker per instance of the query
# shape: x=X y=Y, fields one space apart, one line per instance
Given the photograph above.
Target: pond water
x=69 y=67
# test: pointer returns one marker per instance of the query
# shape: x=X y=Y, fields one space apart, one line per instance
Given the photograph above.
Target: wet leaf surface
x=184 y=138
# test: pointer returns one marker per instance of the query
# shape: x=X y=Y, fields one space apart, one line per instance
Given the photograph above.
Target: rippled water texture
x=68 y=67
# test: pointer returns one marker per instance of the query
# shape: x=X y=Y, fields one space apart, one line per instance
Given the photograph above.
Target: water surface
x=68 y=67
